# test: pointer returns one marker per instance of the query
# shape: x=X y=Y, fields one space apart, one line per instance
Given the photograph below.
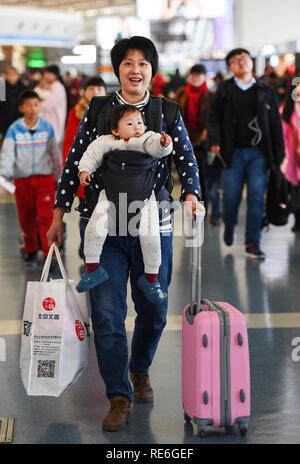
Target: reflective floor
x=268 y=293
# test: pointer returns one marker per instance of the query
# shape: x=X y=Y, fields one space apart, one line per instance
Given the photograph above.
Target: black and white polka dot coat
x=182 y=154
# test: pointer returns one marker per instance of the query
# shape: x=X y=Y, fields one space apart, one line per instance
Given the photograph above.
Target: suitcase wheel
x=187 y=417
x=243 y=430
x=202 y=431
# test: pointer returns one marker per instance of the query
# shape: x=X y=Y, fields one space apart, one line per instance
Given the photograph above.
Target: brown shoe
x=142 y=390
x=117 y=417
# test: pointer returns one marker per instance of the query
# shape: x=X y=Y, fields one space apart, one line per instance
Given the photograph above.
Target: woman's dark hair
x=26 y=94
x=146 y=46
x=94 y=81
x=289 y=105
x=54 y=69
x=198 y=69
x=117 y=112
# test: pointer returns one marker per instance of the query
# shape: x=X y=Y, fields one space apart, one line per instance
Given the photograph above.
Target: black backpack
x=98 y=110
x=278 y=204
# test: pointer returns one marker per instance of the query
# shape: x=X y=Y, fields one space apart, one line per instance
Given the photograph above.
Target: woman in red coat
x=94 y=87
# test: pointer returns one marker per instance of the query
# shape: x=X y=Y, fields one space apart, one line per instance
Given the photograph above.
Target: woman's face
x=135 y=74
x=196 y=80
x=49 y=77
x=94 y=91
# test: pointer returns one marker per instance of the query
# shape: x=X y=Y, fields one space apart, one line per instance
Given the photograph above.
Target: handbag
x=55 y=334
x=278 y=199
x=296 y=145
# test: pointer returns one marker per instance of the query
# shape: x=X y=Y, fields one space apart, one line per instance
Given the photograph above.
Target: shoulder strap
x=170 y=110
x=154 y=114
x=159 y=106
x=97 y=114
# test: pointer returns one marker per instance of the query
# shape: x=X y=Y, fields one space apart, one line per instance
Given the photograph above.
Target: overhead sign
x=38 y=27
x=189 y=9
x=110 y=29
x=36 y=58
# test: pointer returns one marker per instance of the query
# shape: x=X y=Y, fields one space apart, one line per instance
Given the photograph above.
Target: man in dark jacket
x=244 y=128
x=9 y=109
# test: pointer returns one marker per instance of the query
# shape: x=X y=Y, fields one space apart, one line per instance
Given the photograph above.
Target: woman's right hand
x=55 y=232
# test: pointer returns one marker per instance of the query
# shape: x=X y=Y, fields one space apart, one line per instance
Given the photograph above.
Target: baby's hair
x=117 y=112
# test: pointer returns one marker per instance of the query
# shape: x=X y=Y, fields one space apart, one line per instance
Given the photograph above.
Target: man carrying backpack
x=135 y=62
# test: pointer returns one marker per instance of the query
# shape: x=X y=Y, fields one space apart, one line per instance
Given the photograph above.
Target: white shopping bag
x=55 y=333
x=8 y=186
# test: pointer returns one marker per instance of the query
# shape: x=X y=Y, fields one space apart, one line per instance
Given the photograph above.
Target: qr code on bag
x=46 y=368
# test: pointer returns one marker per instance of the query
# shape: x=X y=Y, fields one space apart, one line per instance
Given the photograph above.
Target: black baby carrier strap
x=158 y=106
x=113 y=174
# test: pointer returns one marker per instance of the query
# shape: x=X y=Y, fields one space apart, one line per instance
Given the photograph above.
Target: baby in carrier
x=128 y=135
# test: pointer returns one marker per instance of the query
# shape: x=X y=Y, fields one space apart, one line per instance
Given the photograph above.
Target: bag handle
x=195 y=289
x=46 y=268
x=45 y=273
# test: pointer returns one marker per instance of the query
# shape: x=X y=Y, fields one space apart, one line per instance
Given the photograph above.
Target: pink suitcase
x=215 y=360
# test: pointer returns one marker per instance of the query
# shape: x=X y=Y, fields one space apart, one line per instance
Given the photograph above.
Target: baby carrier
x=128 y=171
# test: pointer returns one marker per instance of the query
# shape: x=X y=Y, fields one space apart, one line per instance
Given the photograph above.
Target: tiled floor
x=268 y=293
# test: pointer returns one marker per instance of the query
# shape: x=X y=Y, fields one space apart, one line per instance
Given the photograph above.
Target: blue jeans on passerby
x=122 y=259
x=248 y=167
x=212 y=188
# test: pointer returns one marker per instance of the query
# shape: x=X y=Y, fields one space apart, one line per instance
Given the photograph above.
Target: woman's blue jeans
x=122 y=259
x=248 y=167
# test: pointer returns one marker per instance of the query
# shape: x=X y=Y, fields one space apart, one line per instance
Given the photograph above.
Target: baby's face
x=130 y=125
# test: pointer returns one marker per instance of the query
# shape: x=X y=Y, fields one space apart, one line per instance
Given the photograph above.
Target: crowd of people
x=220 y=138
x=237 y=142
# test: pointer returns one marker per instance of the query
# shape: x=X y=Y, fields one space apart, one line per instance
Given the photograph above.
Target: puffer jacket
x=25 y=154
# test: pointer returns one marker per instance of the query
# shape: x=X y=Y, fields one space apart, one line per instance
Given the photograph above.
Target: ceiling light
x=91 y=12
x=77 y=59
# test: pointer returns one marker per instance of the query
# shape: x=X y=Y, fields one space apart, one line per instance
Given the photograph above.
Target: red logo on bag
x=80 y=332
x=48 y=304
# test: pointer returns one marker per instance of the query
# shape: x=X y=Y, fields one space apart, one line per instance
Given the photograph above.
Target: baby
x=128 y=134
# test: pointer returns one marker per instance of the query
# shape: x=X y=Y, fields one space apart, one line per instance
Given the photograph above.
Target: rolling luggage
x=215 y=358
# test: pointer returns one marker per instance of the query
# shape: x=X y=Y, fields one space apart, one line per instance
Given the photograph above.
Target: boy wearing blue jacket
x=31 y=157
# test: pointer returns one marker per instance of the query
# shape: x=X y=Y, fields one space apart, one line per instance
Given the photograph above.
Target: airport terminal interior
x=266 y=291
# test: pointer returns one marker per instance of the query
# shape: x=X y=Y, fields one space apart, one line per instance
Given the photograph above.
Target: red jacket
x=71 y=129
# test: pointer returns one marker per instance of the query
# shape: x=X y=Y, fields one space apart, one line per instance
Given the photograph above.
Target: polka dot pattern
x=183 y=156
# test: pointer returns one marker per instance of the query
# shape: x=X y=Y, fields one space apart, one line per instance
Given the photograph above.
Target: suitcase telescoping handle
x=196 y=302
x=198 y=235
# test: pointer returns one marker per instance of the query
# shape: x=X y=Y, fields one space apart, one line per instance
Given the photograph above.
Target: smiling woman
x=135 y=62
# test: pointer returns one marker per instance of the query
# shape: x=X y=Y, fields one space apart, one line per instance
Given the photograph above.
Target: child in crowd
x=128 y=134
x=31 y=157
